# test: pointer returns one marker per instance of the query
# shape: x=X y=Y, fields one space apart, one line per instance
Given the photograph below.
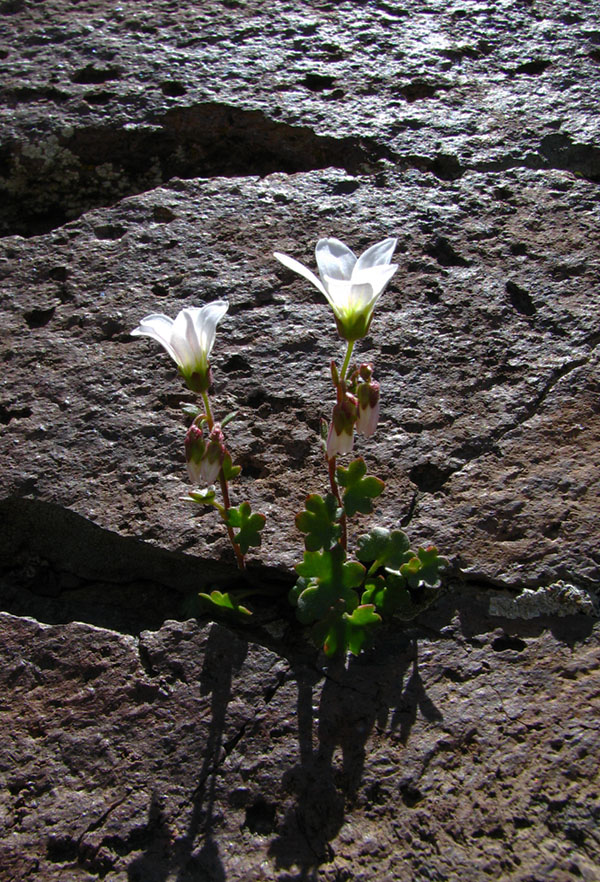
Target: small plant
x=189 y=340
x=342 y=595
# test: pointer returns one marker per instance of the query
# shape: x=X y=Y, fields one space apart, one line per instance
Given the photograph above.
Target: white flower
x=351 y=285
x=188 y=339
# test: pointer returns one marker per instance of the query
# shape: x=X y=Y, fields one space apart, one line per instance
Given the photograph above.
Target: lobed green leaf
x=327 y=582
x=318 y=521
x=248 y=525
x=424 y=568
x=224 y=601
x=384 y=548
x=360 y=488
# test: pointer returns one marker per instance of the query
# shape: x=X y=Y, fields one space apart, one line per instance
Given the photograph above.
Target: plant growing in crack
x=189 y=340
x=344 y=597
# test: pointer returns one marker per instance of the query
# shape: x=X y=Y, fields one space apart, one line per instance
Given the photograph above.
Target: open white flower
x=351 y=285
x=188 y=339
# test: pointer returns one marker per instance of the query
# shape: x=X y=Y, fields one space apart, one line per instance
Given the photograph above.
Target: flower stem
x=347 y=360
x=227 y=505
x=207 y=407
x=336 y=492
x=224 y=490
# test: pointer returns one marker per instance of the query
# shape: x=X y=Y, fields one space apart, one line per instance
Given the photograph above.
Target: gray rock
x=488 y=415
x=193 y=753
x=152 y=158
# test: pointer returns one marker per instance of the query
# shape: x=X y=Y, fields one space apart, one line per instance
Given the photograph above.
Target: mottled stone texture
x=152 y=156
x=192 y=754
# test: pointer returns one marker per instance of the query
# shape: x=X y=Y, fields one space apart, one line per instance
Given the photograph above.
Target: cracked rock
x=153 y=159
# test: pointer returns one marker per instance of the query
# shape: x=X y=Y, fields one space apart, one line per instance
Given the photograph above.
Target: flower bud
x=204 y=458
x=368 y=407
x=365 y=371
x=195 y=448
x=211 y=464
x=341 y=431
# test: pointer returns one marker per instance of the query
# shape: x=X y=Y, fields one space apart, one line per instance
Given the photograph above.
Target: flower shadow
x=180 y=860
x=380 y=690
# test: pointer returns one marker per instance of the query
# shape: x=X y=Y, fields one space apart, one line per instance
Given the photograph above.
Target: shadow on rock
x=381 y=690
x=181 y=862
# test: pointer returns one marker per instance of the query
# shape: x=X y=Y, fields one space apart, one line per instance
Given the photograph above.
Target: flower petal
x=376 y=255
x=376 y=276
x=206 y=321
x=299 y=268
x=185 y=341
x=334 y=259
x=158 y=327
x=346 y=296
x=338 y=293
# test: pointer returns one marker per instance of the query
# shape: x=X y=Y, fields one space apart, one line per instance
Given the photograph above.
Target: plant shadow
x=180 y=861
x=380 y=690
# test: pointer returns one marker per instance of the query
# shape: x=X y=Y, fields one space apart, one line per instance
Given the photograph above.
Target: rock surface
x=153 y=158
x=193 y=754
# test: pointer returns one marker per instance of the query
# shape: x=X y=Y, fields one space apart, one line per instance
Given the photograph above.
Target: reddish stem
x=227 y=505
x=225 y=491
x=336 y=492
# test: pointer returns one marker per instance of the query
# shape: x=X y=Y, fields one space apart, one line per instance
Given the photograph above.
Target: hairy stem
x=224 y=490
x=336 y=492
x=347 y=360
x=227 y=505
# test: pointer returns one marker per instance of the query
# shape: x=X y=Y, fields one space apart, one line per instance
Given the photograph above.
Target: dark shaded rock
x=192 y=753
x=520 y=299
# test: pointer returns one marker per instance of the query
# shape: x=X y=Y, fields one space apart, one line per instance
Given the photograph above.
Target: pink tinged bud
x=204 y=458
x=211 y=463
x=368 y=408
x=365 y=371
x=195 y=448
x=215 y=453
x=340 y=439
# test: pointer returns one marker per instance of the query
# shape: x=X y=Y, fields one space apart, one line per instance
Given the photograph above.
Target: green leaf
x=224 y=601
x=363 y=616
x=346 y=632
x=230 y=416
x=202 y=497
x=374 y=592
x=229 y=470
x=318 y=521
x=329 y=583
x=359 y=490
x=249 y=525
x=424 y=568
x=330 y=566
x=191 y=410
x=295 y=592
x=389 y=595
x=384 y=548
x=358 y=624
